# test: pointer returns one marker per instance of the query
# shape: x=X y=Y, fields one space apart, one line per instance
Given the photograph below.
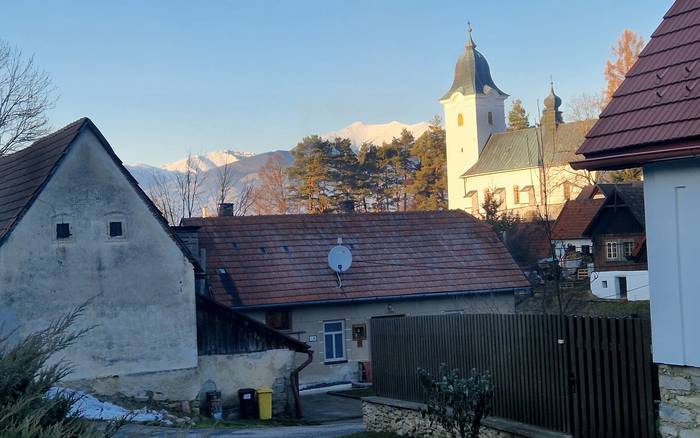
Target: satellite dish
x=339 y=258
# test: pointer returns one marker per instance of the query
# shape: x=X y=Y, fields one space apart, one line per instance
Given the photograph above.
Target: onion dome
x=552 y=101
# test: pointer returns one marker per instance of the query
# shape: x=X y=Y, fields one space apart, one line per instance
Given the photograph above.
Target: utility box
x=246 y=400
x=265 y=403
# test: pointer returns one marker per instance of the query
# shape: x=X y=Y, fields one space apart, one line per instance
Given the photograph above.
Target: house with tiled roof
x=653 y=121
x=77 y=230
x=276 y=269
x=523 y=169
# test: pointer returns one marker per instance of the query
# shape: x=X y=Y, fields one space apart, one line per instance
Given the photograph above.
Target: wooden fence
x=591 y=377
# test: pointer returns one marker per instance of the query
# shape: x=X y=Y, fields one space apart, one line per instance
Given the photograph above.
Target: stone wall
x=404 y=418
x=679 y=411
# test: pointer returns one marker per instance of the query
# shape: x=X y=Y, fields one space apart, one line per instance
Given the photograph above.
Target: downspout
x=294 y=379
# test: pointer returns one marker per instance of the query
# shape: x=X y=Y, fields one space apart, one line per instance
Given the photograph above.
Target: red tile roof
x=25 y=173
x=575 y=217
x=282 y=260
x=655 y=113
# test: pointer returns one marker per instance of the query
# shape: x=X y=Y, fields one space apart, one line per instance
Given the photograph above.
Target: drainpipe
x=294 y=378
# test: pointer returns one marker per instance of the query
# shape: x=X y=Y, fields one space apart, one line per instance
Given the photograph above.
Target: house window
x=333 y=336
x=460 y=119
x=605 y=284
x=611 y=250
x=63 y=231
x=116 y=229
x=585 y=249
x=490 y=117
x=279 y=319
x=516 y=195
x=627 y=248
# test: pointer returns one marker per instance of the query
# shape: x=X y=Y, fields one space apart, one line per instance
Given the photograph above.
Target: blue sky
x=160 y=78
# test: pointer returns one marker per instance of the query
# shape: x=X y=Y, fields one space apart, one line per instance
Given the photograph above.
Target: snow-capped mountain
x=208 y=161
x=359 y=132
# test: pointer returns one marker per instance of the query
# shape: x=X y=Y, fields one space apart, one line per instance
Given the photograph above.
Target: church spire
x=551 y=114
x=470 y=42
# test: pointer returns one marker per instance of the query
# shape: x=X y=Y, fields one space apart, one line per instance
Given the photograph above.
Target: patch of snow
x=91 y=408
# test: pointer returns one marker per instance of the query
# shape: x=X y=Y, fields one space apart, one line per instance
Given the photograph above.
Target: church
x=527 y=171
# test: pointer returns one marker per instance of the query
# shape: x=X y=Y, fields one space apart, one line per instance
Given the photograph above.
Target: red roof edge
x=639 y=156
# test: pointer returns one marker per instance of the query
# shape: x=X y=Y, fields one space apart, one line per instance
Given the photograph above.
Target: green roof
x=520 y=149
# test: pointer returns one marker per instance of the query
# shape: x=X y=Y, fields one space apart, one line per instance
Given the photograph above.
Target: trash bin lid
x=264 y=390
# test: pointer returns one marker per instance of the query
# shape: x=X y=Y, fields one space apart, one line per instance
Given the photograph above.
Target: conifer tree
x=310 y=174
x=517 y=117
x=429 y=185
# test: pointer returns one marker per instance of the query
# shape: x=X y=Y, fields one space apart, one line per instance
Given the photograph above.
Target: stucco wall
x=226 y=373
x=308 y=322
x=604 y=284
x=673 y=238
x=141 y=287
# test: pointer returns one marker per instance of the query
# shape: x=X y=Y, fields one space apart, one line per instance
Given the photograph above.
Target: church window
x=490 y=115
x=516 y=195
x=567 y=190
x=63 y=231
x=460 y=119
x=475 y=203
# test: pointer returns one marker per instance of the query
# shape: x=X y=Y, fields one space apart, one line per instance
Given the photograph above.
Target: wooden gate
x=588 y=376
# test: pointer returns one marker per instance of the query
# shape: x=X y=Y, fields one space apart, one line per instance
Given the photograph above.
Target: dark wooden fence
x=591 y=377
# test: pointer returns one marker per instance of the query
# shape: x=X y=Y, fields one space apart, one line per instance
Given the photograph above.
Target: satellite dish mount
x=339 y=260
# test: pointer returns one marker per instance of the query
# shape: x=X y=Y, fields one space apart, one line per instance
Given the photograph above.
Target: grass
x=579 y=300
x=355 y=392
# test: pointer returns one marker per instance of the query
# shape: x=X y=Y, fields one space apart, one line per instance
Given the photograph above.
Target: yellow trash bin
x=265 y=403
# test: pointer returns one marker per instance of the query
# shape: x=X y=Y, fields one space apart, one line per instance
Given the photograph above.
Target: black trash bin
x=246 y=398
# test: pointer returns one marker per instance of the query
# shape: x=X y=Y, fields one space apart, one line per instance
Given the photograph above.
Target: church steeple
x=472 y=72
x=551 y=116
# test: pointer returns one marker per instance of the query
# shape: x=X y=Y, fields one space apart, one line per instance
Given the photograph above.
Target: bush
x=26 y=376
x=457 y=404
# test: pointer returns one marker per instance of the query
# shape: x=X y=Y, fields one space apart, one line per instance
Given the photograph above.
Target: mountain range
x=245 y=165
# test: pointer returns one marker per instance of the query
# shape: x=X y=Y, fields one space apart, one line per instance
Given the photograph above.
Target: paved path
x=339 y=416
x=328 y=430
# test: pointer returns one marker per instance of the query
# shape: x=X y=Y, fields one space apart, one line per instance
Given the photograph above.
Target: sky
x=162 y=78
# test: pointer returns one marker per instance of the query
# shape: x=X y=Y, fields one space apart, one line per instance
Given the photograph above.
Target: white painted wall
x=465 y=143
x=605 y=284
x=141 y=287
x=672 y=200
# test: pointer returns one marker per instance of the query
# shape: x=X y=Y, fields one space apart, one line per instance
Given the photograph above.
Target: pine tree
x=344 y=171
x=369 y=177
x=517 y=117
x=429 y=185
x=310 y=175
x=397 y=169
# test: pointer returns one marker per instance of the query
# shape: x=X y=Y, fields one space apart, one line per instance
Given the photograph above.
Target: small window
x=63 y=231
x=627 y=249
x=567 y=190
x=115 y=229
x=585 y=249
x=475 y=203
x=611 y=250
x=490 y=116
x=333 y=336
x=516 y=195
x=605 y=284
x=279 y=319
x=460 y=119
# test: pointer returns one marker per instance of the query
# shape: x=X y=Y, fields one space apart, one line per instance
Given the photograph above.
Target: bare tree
x=224 y=182
x=272 y=193
x=189 y=185
x=161 y=194
x=26 y=94
x=244 y=201
x=585 y=106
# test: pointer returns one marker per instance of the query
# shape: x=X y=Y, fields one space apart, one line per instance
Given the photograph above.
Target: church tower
x=474 y=109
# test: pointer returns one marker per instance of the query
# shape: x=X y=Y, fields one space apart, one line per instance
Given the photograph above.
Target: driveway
x=328 y=430
x=339 y=416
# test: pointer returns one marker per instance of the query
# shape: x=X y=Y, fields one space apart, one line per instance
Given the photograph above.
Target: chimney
x=225 y=209
x=348 y=205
